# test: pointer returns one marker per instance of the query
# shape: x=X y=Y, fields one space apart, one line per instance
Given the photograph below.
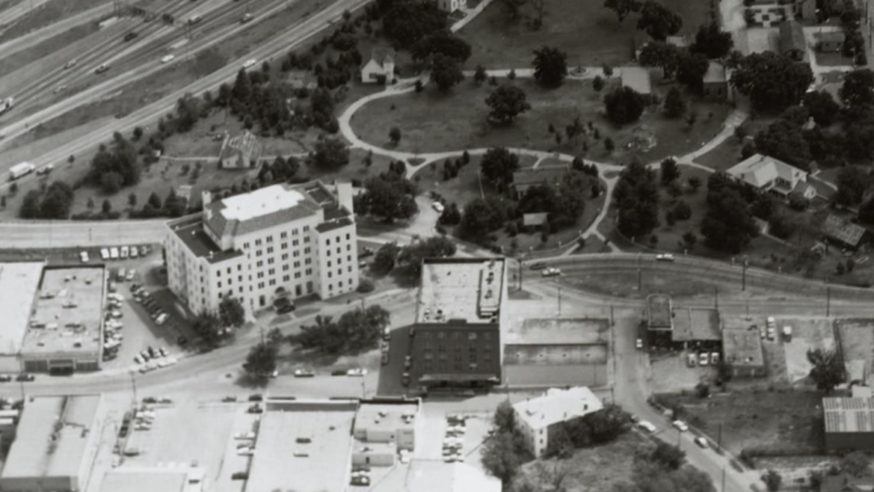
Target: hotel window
x=272 y=282
x=259 y=263
x=285 y=267
x=306 y=250
x=269 y=239
x=285 y=256
x=297 y=275
x=348 y=236
x=270 y=249
x=306 y=228
x=339 y=250
x=308 y=271
x=306 y=239
x=297 y=264
x=307 y=261
x=283 y=234
x=294 y=242
x=294 y=232
x=329 y=262
x=328 y=242
x=286 y=278
x=284 y=245
x=245 y=245
x=348 y=247
x=269 y=261
x=257 y=242
x=349 y=268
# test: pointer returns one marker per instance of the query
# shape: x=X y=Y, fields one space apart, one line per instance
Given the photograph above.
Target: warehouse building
x=849 y=423
x=18 y=285
x=58 y=439
x=279 y=241
x=456 y=336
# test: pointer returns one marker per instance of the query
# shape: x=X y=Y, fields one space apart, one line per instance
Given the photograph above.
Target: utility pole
x=639 y=274
x=715 y=298
x=743 y=285
x=133 y=382
x=828 y=301
x=559 y=297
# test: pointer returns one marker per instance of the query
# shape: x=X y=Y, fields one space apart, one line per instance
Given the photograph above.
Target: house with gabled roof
x=380 y=68
x=241 y=151
x=791 y=40
x=765 y=173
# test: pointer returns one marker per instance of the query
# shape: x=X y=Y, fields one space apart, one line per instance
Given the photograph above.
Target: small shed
x=534 y=219
x=843 y=232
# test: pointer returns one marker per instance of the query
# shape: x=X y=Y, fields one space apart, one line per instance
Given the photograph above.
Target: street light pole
x=133 y=382
x=743 y=286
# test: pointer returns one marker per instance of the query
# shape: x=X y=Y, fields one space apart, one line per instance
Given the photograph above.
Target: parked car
x=125 y=252
x=638 y=343
x=550 y=272
x=167 y=58
x=537 y=266
x=304 y=373
x=691 y=360
x=83 y=256
x=680 y=425
x=357 y=372
x=702 y=442
x=665 y=257
x=250 y=63
x=104 y=254
x=284 y=309
x=703 y=358
x=647 y=426
x=133 y=252
x=144 y=250
x=25 y=377
x=714 y=358
x=113 y=253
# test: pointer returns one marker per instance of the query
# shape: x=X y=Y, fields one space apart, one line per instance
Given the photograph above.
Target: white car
x=550 y=272
x=638 y=343
x=438 y=207
x=665 y=257
x=249 y=63
x=130 y=275
x=113 y=253
x=104 y=254
x=680 y=425
x=702 y=442
x=70 y=64
x=83 y=256
x=357 y=372
x=643 y=424
x=167 y=58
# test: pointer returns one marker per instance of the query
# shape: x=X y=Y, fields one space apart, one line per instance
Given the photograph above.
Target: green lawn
x=585 y=30
x=424 y=119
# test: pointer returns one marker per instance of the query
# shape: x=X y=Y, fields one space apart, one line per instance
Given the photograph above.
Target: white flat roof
x=260 y=202
x=557 y=405
x=18 y=284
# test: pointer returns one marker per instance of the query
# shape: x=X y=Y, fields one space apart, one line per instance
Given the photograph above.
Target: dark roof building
x=658 y=312
x=551 y=175
x=849 y=423
x=791 y=40
x=696 y=326
x=743 y=353
x=843 y=232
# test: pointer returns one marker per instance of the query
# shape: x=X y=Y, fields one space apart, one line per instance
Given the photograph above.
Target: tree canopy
x=822 y=106
x=658 y=21
x=444 y=43
x=445 y=72
x=261 y=361
x=712 y=42
x=331 y=154
x=728 y=224
x=624 y=105
x=550 y=66
x=497 y=167
x=408 y=22
x=828 y=369
x=660 y=54
x=858 y=88
x=622 y=7
x=389 y=195
x=232 y=312
x=507 y=102
x=354 y=332
x=636 y=196
x=772 y=81
x=482 y=216
x=53 y=203
x=409 y=260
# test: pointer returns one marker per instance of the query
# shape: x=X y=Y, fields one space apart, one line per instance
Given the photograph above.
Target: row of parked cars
x=702 y=359
x=119 y=253
x=149 y=303
x=453 y=440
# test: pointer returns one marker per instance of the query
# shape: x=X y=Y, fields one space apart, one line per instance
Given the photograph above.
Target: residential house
x=766 y=173
x=791 y=40
x=380 y=68
x=550 y=175
x=636 y=78
x=843 y=232
x=241 y=152
x=831 y=41
x=715 y=82
x=537 y=417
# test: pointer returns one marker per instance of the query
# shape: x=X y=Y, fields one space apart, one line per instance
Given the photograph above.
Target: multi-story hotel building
x=279 y=241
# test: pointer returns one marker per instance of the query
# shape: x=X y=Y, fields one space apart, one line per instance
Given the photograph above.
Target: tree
x=154 y=200
x=784 y=140
x=390 y=196
x=450 y=216
x=668 y=170
x=394 y=134
x=106 y=208
x=406 y=23
x=550 y=66
x=828 y=369
x=675 y=106
x=110 y=182
x=132 y=200
x=497 y=167
x=597 y=83
x=506 y=102
x=385 y=257
x=856 y=464
x=504 y=419
x=624 y=105
x=30 y=205
x=445 y=72
x=502 y=455
x=691 y=69
x=231 y=312
x=660 y=54
x=481 y=216
x=858 y=88
x=479 y=75
x=712 y=42
x=772 y=480
x=772 y=81
x=513 y=9
x=728 y=224
x=331 y=154
x=852 y=184
x=636 y=197
x=658 y=21
x=261 y=362
x=444 y=43
x=206 y=326
x=409 y=261
x=354 y=332
x=622 y=8
x=668 y=455
x=822 y=107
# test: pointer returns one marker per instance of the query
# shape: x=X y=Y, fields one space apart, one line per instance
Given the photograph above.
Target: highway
x=68 y=234
x=277 y=45
x=13 y=13
x=36 y=36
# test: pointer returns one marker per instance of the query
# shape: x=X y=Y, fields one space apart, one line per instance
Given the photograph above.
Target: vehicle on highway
x=5 y=378
x=249 y=63
x=246 y=18
x=408 y=361
x=70 y=64
x=130 y=36
x=101 y=68
x=194 y=19
x=787 y=333
x=438 y=207
x=167 y=58
x=537 y=266
x=7 y=104
x=643 y=424
x=550 y=272
x=83 y=256
x=691 y=360
x=229 y=399
x=357 y=372
x=304 y=373
x=703 y=359
x=702 y=442
x=680 y=425
x=45 y=170
x=25 y=377
x=665 y=257
x=20 y=169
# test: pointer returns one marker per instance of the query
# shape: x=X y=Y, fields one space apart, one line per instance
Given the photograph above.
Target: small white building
x=766 y=173
x=380 y=68
x=535 y=416
x=242 y=151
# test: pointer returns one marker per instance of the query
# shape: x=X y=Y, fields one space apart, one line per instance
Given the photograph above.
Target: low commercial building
x=65 y=332
x=831 y=41
x=658 y=320
x=382 y=428
x=849 y=423
x=535 y=417
x=58 y=439
x=242 y=151
x=697 y=329
x=305 y=445
x=19 y=282
x=544 y=352
x=456 y=336
x=279 y=241
x=154 y=479
x=742 y=352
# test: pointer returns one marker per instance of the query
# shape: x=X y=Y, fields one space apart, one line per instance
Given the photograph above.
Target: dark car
x=131 y=35
x=5 y=378
x=537 y=266
x=24 y=376
x=285 y=309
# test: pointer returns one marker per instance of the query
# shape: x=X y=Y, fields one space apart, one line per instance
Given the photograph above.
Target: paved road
x=18 y=10
x=65 y=234
x=36 y=36
x=277 y=45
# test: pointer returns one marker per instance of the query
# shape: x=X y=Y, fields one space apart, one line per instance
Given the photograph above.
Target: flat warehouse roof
x=68 y=312
x=467 y=289
x=843 y=414
x=18 y=285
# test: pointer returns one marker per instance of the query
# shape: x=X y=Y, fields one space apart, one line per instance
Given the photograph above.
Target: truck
x=787 y=333
x=20 y=169
x=6 y=105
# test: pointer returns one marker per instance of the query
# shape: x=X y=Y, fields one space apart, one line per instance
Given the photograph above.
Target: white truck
x=20 y=169
x=6 y=104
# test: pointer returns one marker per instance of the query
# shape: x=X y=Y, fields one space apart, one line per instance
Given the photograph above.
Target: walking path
x=405 y=86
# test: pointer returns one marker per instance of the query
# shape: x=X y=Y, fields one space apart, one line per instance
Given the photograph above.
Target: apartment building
x=279 y=241
x=536 y=417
